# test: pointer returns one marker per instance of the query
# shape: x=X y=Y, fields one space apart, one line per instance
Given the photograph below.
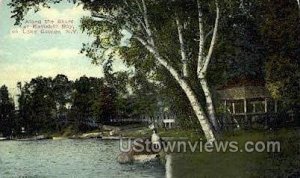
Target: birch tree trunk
x=148 y=42
x=198 y=110
x=182 y=47
x=203 y=62
x=150 y=46
x=209 y=103
x=298 y=1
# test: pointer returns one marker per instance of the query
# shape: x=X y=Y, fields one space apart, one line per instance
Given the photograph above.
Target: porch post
x=245 y=106
x=266 y=105
x=245 y=110
x=275 y=106
x=233 y=107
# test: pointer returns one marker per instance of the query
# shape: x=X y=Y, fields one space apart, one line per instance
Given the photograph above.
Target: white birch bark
x=298 y=1
x=147 y=24
x=209 y=103
x=149 y=44
x=198 y=110
x=182 y=47
x=203 y=62
x=201 y=38
x=213 y=40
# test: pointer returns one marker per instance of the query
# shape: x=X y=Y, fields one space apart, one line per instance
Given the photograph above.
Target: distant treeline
x=49 y=104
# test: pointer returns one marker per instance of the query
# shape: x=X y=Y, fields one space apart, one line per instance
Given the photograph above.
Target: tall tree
x=43 y=104
x=24 y=99
x=37 y=105
x=204 y=60
x=145 y=95
x=139 y=19
x=7 y=113
x=241 y=46
x=82 y=101
x=62 y=89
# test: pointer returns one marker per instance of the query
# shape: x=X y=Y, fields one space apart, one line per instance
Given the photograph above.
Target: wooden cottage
x=247 y=101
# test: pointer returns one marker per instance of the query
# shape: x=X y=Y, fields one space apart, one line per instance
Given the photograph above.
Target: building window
x=239 y=106
x=235 y=107
x=256 y=106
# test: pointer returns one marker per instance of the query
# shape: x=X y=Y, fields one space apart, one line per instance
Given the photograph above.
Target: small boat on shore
x=25 y=139
x=111 y=138
x=59 y=138
x=3 y=138
x=39 y=137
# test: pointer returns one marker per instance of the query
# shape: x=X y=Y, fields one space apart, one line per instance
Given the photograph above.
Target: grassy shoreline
x=285 y=163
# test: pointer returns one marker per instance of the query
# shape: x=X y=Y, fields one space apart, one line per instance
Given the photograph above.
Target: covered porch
x=248 y=104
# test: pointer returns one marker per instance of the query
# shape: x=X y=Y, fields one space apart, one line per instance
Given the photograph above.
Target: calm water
x=69 y=158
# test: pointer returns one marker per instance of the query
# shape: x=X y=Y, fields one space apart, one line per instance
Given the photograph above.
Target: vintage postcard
x=149 y=88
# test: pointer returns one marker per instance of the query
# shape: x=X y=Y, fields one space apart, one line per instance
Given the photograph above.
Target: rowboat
x=3 y=138
x=39 y=137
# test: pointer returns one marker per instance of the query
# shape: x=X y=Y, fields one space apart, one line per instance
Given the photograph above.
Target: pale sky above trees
x=23 y=57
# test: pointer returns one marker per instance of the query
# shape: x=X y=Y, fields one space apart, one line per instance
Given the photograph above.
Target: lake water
x=69 y=158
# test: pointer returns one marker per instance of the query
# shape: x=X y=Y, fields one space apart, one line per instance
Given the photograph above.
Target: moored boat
x=59 y=138
x=39 y=137
x=3 y=138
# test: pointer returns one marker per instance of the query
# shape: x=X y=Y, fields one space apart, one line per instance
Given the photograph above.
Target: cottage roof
x=244 y=88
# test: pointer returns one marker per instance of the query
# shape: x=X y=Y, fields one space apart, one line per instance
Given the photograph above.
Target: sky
x=25 y=56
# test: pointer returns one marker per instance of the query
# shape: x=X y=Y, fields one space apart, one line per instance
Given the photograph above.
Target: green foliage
x=37 y=105
x=256 y=38
x=283 y=77
x=280 y=29
x=51 y=105
x=145 y=95
x=111 y=19
x=62 y=89
x=7 y=115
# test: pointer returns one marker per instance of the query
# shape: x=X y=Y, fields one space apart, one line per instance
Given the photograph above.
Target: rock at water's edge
x=125 y=158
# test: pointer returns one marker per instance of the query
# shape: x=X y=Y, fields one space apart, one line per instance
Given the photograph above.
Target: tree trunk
x=198 y=110
x=206 y=127
x=209 y=103
x=182 y=47
x=298 y=2
x=150 y=46
x=203 y=62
